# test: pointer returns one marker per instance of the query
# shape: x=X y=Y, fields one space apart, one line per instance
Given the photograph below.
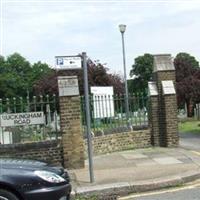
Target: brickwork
x=48 y=151
x=164 y=76
x=72 y=139
x=162 y=122
x=171 y=121
x=120 y=141
x=154 y=120
x=159 y=77
x=166 y=122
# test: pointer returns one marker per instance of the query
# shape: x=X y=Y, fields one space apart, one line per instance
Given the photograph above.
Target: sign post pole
x=88 y=120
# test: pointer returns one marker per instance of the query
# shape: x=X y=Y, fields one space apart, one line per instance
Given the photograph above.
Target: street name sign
x=21 y=119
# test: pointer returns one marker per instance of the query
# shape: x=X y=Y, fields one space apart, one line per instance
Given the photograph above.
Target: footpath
x=121 y=173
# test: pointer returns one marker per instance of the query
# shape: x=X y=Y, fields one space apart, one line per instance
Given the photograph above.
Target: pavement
x=121 y=173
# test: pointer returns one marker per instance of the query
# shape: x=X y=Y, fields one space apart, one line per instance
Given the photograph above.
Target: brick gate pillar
x=154 y=114
x=70 y=122
x=171 y=138
x=164 y=78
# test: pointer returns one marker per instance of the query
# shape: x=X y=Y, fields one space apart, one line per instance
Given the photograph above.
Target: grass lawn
x=189 y=127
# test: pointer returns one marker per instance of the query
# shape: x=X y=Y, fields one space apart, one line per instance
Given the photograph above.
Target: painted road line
x=160 y=192
x=196 y=152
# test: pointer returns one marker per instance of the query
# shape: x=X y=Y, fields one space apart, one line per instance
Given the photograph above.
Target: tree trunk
x=190 y=108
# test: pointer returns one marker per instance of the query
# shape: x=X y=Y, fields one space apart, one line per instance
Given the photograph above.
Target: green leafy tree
x=15 y=63
x=141 y=72
x=17 y=75
x=38 y=70
x=9 y=85
x=14 y=75
x=2 y=64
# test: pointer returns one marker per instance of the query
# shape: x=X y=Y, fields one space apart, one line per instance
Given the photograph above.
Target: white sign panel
x=68 y=86
x=6 y=137
x=103 y=102
x=21 y=119
x=68 y=62
x=168 y=87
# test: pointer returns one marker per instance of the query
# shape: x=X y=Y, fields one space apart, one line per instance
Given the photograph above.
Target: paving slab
x=185 y=160
x=167 y=161
x=133 y=155
x=145 y=162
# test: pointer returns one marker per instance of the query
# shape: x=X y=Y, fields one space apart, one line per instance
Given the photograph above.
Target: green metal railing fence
x=108 y=115
x=49 y=130
x=108 y=112
x=183 y=112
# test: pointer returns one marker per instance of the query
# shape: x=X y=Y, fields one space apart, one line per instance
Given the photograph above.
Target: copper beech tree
x=187 y=81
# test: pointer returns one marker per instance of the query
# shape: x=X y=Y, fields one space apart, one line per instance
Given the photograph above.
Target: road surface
x=189 y=192
x=190 y=141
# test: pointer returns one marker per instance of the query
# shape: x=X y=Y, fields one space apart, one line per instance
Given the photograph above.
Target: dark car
x=32 y=180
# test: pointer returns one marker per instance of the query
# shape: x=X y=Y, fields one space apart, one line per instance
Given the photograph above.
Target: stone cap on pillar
x=152 y=89
x=163 y=62
x=168 y=87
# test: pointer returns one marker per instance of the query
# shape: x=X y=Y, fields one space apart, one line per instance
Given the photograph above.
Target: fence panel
x=108 y=113
x=182 y=113
x=29 y=119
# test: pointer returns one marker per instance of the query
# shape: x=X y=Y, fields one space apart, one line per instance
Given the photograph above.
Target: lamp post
x=122 y=29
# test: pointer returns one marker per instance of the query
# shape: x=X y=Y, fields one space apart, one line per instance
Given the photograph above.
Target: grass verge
x=189 y=127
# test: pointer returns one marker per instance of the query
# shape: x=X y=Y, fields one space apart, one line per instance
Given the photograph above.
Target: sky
x=43 y=29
